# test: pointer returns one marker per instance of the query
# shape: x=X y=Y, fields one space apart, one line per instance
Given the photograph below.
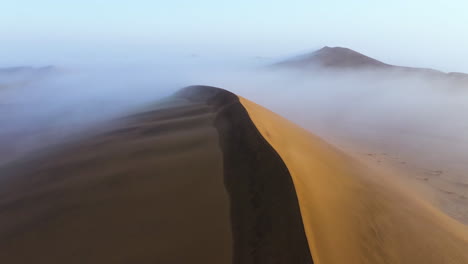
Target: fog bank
x=386 y=109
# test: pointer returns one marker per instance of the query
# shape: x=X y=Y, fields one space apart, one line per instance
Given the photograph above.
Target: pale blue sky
x=421 y=33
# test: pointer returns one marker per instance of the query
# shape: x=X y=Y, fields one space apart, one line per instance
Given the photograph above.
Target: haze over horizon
x=418 y=33
x=296 y=132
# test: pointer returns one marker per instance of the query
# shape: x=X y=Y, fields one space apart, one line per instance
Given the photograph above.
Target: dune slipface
x=192 y=181
x=266 y=222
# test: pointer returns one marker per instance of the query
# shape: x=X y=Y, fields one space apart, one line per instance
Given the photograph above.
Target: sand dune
x=353 y=215
x=210 y=177
x=190 y=182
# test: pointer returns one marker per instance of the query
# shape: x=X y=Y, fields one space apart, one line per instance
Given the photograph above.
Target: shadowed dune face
x=191 y=182
x=266 y=221
x=150 y=190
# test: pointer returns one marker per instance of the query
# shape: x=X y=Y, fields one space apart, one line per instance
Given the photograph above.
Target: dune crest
x=265 y=216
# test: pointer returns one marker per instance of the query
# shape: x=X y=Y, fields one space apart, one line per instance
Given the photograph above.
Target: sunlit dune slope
x=353 y=215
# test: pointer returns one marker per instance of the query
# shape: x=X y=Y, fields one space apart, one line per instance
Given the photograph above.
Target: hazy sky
x=427 y=33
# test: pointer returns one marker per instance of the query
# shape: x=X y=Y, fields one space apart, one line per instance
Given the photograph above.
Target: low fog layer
x=420 y=118
x=36 y=113
x=387 y=110
x=43 y=106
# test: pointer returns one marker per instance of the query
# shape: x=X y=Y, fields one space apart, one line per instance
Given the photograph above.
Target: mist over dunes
x=119 y=166
x=408 y=121
x=234 y=132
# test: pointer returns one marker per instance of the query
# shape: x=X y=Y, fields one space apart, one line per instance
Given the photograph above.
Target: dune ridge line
x=265 y=215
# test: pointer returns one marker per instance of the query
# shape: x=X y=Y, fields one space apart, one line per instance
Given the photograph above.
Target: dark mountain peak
x=339 y=57
x=334 y=49
x=327 y=48
x=334 y=57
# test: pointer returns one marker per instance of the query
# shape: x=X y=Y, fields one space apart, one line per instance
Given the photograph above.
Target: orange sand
x=353 y=215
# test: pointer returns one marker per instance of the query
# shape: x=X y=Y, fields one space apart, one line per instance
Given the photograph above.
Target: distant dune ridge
x=11 y=77
x=25 y=69
x=210 y=177
x=340 y=58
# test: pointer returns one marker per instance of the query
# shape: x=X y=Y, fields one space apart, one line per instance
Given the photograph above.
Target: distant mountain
x=334 y=58
x=339 y=58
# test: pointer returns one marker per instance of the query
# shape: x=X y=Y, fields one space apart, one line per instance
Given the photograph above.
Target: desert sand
x=352 y=214
x=210 y=177
x=437 y=171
